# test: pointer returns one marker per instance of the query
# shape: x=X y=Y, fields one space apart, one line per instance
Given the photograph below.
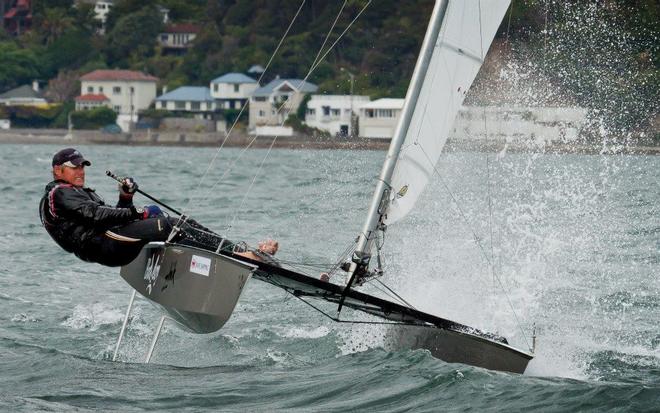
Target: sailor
x=81 y=223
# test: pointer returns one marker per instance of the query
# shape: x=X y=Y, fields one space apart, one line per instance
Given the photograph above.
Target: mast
x=380 y=200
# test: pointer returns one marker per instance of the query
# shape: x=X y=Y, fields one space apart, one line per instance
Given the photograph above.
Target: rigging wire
x=311 y=70
x=481 y=247
x=254 y=138
x=217 y=153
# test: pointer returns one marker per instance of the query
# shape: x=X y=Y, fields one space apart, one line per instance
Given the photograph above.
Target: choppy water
x=573 y=240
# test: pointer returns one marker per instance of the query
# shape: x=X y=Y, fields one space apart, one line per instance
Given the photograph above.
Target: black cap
x=71 y=157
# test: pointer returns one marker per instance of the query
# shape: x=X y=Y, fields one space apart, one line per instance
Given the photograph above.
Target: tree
x=135 y=32
x=19 y=66
x=64 y=87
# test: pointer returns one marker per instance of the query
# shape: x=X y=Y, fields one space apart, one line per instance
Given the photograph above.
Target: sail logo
x=200 y=265
x=402 y=192
x=152 y=270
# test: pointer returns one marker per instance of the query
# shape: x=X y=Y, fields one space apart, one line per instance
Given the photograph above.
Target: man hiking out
x=81 y=223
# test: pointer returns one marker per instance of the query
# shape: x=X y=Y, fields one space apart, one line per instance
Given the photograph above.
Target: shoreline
x=188 y=139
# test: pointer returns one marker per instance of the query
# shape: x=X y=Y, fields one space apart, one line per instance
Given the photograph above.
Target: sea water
x=565 y=248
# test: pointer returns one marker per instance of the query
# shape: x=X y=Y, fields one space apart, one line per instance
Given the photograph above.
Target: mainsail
x=460 y=48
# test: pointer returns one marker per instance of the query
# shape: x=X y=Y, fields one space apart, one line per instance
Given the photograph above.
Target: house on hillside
x=334 y=113
x=178 y=38
x=378 y=119
x=270 y=105
x=16 y=16
x=24 y=95
x=188 y=99
x=232 y=90
x=128 y=91
x=256 y=71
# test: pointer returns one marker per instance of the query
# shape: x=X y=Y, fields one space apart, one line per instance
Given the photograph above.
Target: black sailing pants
x=120 y=245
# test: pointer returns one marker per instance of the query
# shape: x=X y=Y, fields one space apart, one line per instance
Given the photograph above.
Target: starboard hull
x=458 y=347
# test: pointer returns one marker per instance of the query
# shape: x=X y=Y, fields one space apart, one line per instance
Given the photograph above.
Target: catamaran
x=199 y=288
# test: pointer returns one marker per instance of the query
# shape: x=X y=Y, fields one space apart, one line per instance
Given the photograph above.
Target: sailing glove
x=151 y=211
x=128 y=187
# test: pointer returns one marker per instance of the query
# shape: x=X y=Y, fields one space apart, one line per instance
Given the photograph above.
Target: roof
x=188 y=93
x=182 y=28
x=384 y=103
x=298 y=84
x=234 y=78
x=125 y=75
x=256 y=69
x=90 y=97
x=24 y=91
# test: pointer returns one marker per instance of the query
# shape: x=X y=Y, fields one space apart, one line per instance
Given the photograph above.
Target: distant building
x=101 y=10
x=92 y=101
x=332 y=113
x=16 y=16
x=25 y=95
x=191 y=99
x=256 y=71
x=128 y=91
x=232 y=90
x=378 y=119
x=270 y=105
x=178 y=38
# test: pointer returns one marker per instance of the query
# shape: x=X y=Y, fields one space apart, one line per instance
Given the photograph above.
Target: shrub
x=93 y=118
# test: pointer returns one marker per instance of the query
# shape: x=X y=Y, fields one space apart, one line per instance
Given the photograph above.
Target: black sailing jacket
x=73 y=216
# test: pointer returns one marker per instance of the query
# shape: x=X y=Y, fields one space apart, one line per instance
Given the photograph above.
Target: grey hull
x=458 y=347
x=197 y=288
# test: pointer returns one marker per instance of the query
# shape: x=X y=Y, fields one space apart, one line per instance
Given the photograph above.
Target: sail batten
x=467 y=31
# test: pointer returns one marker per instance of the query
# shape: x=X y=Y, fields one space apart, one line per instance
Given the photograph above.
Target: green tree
x=53 y=23
x=135 y=33
x=19 y=66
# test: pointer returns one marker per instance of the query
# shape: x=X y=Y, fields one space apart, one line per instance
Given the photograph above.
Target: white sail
x=467 y=31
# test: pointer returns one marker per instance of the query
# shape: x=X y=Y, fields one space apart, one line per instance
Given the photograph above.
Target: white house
x=332 y=113
x=378 y=119
x=270 y=105
x=233 y=90
x=128 y=91
x=192 y=99
x=101 y=10
x=177 y=38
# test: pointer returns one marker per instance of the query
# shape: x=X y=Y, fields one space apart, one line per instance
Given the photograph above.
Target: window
x=90 y=89
x=116 y=90
x=194 y=105
x=179 y=105
x=164 y=38
x=262 y=113
x=215 y=87
x=335 y=112
x=100 y=89
x=311 y=112
x=369 y=113
x=236 y=88
x=326 y=110
x=116 y=108
x=260 y=99
x=132 y=90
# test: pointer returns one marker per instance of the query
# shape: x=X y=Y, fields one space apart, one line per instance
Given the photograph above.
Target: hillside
x=585 y=53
